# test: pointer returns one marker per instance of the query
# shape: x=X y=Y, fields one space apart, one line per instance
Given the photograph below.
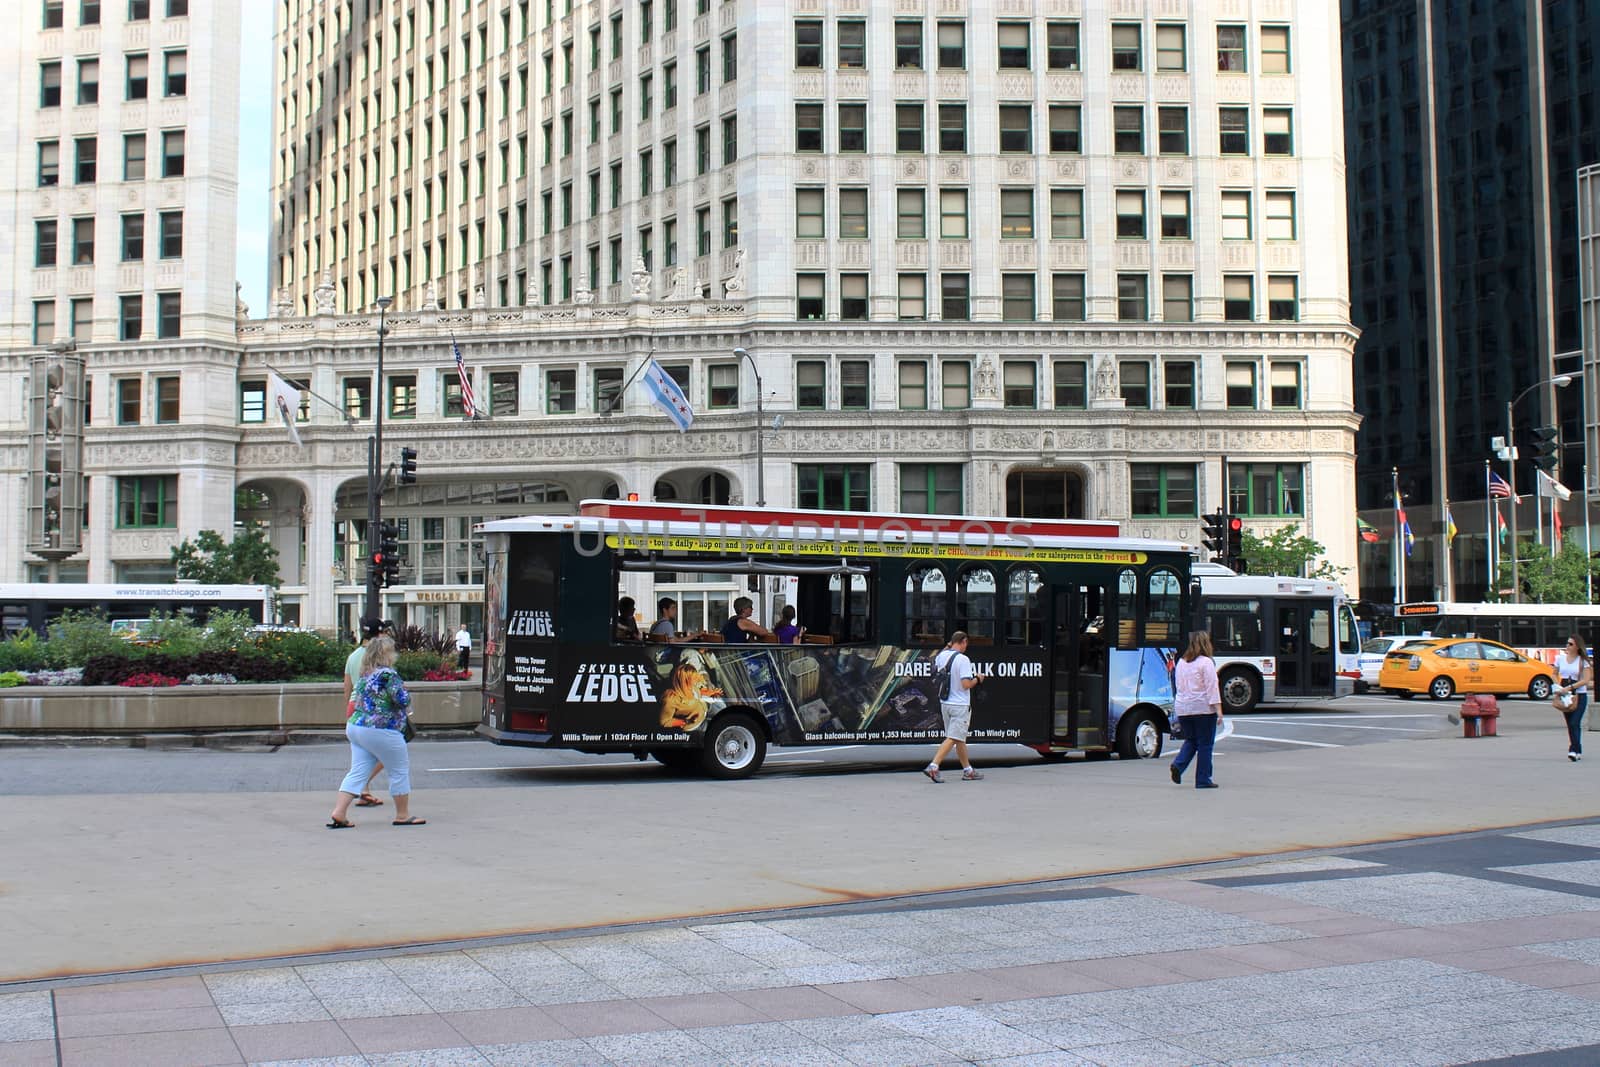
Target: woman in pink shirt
x=1199 y=704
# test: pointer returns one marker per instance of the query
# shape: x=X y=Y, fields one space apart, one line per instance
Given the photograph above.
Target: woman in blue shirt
x=375 y=730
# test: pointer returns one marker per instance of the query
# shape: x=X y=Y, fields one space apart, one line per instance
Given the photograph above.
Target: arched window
x=665 y=490
x=712 y=489
x=1127 y=609
x=1163 y=623
x=611 y=492
x=1024 y=607
x=927 y=596
x=976 y=596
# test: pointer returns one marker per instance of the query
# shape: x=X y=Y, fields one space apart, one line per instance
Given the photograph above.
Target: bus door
x=1080 y=654
x=1305 y=648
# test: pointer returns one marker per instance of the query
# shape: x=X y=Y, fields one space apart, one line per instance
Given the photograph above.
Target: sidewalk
x=1442 y=951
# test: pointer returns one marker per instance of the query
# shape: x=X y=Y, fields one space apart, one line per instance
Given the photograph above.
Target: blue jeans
x=1199 y=734
x=1575 y=725
x=367 y=748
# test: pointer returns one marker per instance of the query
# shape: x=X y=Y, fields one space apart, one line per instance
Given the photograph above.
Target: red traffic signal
x=1235 y=524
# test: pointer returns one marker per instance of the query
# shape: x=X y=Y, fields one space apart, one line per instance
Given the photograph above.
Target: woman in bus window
x=1198 y=704
x=1577 y=674
x=625 y=627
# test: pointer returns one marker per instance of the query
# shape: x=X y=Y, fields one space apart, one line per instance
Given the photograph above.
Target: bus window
x=1163 y=609
x=1127 y=609
x=850 y=617
x=1349 y=631
x=926 y=599
x=1024 y=609
x=975 y=604
x=1235 y=626
x=1522 y=631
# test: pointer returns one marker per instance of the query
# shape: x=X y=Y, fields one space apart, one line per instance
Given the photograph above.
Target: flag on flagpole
x=469 y=403
x=1500 y=521
x=1555 y=524
x=667 y=395
x=286 y=400
x=1548 y=486
x=1401 y=524
x=1366 y=531
x=1498 y=486
x=1449 y=526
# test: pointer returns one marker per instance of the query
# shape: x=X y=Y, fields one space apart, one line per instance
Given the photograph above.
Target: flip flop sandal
x=369 y=801
x=413 y=821
x=341 y=824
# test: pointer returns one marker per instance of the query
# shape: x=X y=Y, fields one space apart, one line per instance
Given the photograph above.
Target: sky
x=255 y=153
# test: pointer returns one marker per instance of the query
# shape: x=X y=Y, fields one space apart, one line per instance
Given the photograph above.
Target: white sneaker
x=1574 y=757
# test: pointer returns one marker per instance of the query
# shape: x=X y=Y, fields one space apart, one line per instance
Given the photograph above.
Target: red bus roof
x=722 y=514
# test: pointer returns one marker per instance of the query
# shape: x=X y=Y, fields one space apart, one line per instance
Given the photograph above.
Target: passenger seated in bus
x=666 y=624
x=741 y=628
x=788 y=633
x=624 y=627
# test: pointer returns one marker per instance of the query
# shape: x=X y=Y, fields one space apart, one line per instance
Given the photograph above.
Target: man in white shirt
x=956 y=707
x=463 y=647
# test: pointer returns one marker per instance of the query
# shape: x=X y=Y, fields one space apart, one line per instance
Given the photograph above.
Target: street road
x=105 y=769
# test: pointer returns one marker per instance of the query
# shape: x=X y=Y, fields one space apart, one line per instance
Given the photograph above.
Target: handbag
x=1176 y=728
x=1564 y=702
x=408 y=731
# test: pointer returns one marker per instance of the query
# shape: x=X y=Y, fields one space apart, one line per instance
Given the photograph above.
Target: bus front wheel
x=1139 y=737
x=735 y=747
x=1241 y=691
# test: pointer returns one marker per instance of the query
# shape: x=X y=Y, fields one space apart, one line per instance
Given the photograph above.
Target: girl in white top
x=1198 y=702
x=1577 y=674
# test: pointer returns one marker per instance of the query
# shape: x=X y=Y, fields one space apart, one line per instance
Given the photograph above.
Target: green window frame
x=932 y=489
x=722 y=385
x=130 y=393
x=955 y=385
x=1178 y=385
x=1163 y=490
x=252 y=402
x=1071 y=384
x=912 y=381
x=1267 y=490
x=811 y=384
x=560 y=391
x=146 y=502
x=607 y=388
x=402 y=396
x=834 y=486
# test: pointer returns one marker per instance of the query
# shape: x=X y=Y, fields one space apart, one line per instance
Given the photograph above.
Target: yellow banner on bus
x=866 y=548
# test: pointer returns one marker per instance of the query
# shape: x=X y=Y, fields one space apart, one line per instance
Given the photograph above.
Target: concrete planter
x=112 y=709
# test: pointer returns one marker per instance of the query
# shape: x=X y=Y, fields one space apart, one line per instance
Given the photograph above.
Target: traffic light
x=408 y=466
x=387 y=557
x=1235 y=540
x=1216 y=534
x=1546 y=446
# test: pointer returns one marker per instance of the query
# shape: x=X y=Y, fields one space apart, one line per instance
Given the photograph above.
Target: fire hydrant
x=1480 y=714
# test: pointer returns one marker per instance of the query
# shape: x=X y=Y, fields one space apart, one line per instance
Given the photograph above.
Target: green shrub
x=303 y=653
x=175 y=635
x=78 y=637
x=226 y=630
x=413 y=665
x=11 y=678
x=22 y=652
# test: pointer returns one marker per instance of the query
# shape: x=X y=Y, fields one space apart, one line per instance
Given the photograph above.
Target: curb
x=240 y=740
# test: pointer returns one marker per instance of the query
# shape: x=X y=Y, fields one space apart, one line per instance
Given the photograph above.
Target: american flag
x=1498 y=486
x=469 y=403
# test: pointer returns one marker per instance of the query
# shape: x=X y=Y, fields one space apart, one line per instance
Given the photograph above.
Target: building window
x=130 y=318
x=45 y=251
x=834 y=486
x=1283 y=298
x=138 y=82
x=83 y=242
x=1174 y=130
x=358 y=397
x=669 y=86
x=147 y=502
x=1128 y=130
x=952 y=46
x=1231 y=49
x=955 y=297
x=702 y=231
x=913 y=297
x=1016 y=213
x=955 y=385
x=1238 y=298
x=54 y=13
x=167 y=394
x=1013 y=40
x=49 y=163
x=172 y=153
x=1130 y=214
x=1178 y=378
x=1126 y=46
x=86 y=153
x=1133 y=380
x=132 y=238
x=1163 y=490
x=1266 y=490
x=88 y=81
x=853 y=213
x=730 y=58
x=1172 y=53
x=952 y=127
x=913 y=382
x=953 y=214
x=82 y=319
x=1071 y=384
x=852 y=127
x=176 y=8
x=1234 y=124
x=1177 y=298
x=171 y=234
x=1066 y=214
x=1133 y=297
x=133 y=157
x=1175 y=214
x=503 y=392
x=44 y=321
x=1019 y=384
x=723 y=385
x=808 y=44
x=1277 y=131
x=853 y=296
x=403 y=396
x=1016 y=128
x=855 y=381
x=908 y=44
x=910 y=223
x=1061 y=45
x=908 y=127
x=129 y=394
x=808 y=127
x=1279 y=219
x=138 y=10
x=811 y=385
x=1067 y=303
x=1236 y=215
x=730 y=139
x=1239 y=379
x=252 y=402
x=560 y=392
x=852 y=44
x=1275 y=50
x=49 y=84
x=1285 y=385
x=931 y=489
x=607 y=383
x=177 y=69
x=810 y=215
x=810 y=296
x=1017 y=298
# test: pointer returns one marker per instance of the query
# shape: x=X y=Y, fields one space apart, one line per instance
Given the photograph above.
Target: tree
x=1287 y=551
x=246 y=560
x=1546 y=579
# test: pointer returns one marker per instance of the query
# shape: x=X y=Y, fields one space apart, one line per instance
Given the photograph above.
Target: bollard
x=1480 y=716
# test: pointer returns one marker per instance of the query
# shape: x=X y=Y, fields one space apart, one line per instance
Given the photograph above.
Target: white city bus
x=1277 y=638
x=34 y=606
x=1539 y=631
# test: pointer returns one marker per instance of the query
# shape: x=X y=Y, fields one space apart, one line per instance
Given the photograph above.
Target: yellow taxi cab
x=1443 y=667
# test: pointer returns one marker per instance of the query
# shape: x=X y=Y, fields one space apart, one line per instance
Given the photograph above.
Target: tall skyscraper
x=1466 y=122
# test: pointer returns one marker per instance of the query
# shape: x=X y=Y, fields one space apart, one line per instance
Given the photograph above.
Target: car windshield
x=1378 y=644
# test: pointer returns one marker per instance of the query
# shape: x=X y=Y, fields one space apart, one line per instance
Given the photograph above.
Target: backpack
x=941 y=677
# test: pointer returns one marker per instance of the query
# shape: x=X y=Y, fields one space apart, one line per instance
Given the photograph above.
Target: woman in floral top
x=379 y=702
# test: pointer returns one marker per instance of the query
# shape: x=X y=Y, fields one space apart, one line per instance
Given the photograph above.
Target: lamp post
x=1560 y=381
x=375 y=473
x=761 y=432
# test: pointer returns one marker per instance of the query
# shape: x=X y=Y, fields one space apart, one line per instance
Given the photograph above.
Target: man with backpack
x=954 y=677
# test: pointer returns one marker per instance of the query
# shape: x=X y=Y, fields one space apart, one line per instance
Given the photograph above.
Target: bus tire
x=1051 y=756
x=735 y=747
x=1139 y=736
x=676 y=759
x=1442 y=688
x=1240 y=689
x=1539 y=688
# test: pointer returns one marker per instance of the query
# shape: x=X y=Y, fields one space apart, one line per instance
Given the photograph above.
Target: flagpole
x=1399 y=542
x=1588 y=551
x=1488 y=527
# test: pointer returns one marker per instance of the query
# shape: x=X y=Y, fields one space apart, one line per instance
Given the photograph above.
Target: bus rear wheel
x=1139 y=737
x=1240 y=689
x=735 y=747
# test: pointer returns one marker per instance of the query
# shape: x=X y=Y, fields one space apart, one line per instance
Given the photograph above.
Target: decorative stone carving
x=323 y=294
x=1105 y=378
x=583 y=294
x=733 y=285
x=640 y=279
x=241 y=310
x=283 y=305
x=683 y=287
x=985 y=388
x=430 y=297
x=480 y=299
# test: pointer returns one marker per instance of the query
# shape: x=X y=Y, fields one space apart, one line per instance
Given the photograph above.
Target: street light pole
x=761 y=433
x=1560 y=381
x=375 y=473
